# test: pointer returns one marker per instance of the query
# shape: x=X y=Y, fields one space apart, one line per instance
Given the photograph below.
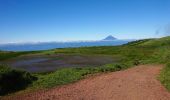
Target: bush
x=165 y=76
x=12 y=80
x=68 y=75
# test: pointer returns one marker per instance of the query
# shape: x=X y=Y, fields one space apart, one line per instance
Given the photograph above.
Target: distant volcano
x=109 y=38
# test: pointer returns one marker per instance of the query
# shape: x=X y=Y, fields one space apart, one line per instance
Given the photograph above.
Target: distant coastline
x=53 y=45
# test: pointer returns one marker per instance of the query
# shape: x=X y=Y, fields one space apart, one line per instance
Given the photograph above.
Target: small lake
x=52 y=63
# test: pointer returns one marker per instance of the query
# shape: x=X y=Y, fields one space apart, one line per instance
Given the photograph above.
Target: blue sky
x=63 y=20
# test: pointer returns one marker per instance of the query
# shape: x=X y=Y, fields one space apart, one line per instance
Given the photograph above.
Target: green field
x=138 y=52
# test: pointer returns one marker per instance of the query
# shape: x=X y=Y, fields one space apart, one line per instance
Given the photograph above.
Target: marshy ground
x=47 y=63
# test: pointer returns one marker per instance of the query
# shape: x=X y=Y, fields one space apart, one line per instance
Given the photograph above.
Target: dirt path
x=138 y=83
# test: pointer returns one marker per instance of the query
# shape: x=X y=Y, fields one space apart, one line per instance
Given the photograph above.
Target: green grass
x=165 y=76
x=7 y=55
x=12 y=80
x=68 y=75
x=137 y=52
x=133 y=53
x=158 y=42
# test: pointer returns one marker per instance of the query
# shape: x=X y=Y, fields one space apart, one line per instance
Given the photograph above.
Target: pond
x=51 y=63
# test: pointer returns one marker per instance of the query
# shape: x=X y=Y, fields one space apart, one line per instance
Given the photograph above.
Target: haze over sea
x=53 y=45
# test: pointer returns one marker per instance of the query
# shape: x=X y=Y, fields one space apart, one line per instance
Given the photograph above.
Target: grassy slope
x=165 y=76
x=161 y=54
x=68 y=75
x=142 y=51
x=7 y=54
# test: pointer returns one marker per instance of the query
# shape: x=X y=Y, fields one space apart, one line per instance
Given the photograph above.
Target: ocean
x=55 y=45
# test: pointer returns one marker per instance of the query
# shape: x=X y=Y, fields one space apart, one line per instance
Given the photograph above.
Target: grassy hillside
x=145 y=51
x=136 y=52
x=133 y=53
x=68 y=75
x=7 y=54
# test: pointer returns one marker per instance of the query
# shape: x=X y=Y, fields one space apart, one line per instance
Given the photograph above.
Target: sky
x=72 y=20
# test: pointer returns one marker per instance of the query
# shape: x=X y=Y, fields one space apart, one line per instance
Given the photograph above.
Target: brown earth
x=137 y=83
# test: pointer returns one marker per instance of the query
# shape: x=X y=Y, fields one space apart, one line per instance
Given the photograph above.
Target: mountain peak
x=109 y=38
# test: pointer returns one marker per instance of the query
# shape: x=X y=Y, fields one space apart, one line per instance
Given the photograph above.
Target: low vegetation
x=8 y=54
x=133 y=53
x=165 y=76
x=12 y=80
x=69 y=75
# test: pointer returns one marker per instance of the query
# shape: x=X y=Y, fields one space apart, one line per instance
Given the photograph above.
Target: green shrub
x=59 y=77
x=165 y=76
x=68 y=75
x=12 y=80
